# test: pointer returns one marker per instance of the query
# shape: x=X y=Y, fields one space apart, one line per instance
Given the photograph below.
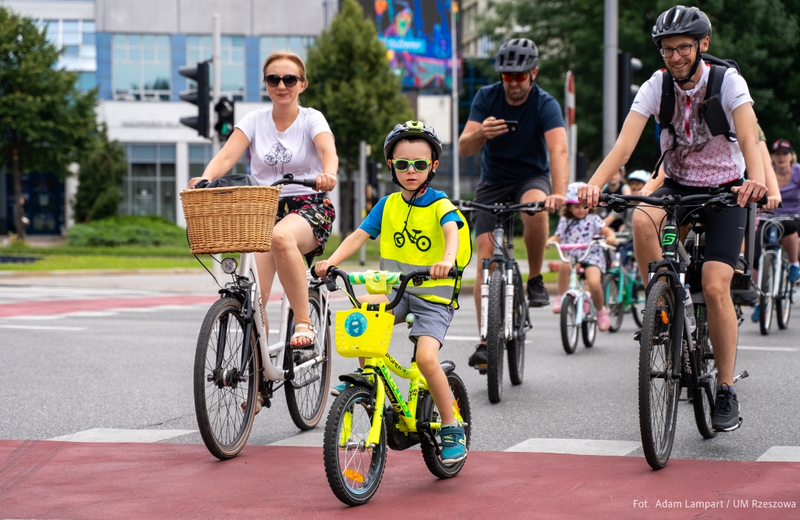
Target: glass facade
x=141 y=67
x=200 y=155
x=200 y=48
x=77 y=38
x=149 y=188
x=269 y=44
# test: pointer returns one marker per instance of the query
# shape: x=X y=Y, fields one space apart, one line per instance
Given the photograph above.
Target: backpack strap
x=665 y=113
x=710 y=109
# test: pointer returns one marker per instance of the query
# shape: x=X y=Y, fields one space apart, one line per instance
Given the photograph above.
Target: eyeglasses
x=419 y=165
x=519 y=77
x=289 y=80
x=683 y=50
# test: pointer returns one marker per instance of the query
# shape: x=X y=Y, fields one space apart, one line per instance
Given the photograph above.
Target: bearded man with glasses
x=519 y=130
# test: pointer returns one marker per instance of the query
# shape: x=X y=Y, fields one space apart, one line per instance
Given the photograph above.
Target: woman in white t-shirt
x=287 y=138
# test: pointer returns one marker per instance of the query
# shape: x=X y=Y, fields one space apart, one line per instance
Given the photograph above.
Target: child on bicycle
x=579 y=224
x=412 y=151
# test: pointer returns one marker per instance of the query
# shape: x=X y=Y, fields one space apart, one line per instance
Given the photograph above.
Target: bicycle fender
x=447 y=366
x=228 y=293
x=356 y=380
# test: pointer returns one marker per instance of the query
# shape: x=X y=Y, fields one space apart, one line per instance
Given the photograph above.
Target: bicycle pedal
x=741 y=376
x=637 y=336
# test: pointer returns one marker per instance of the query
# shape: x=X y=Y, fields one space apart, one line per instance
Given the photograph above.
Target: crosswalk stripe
x=307 y=439
x=39 y=327
x=782 y=454
x=121 y=435
x=768 y=349
x=576 y=446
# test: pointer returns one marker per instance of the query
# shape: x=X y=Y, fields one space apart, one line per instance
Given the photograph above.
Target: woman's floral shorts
x=317 y=210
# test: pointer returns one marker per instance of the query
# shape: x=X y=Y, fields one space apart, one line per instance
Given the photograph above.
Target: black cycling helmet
x=517 y=55
x=413 y=130
x=681 y=21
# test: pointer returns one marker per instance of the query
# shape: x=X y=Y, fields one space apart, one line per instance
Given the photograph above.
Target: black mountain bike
x=504 y=311
x=674 y=347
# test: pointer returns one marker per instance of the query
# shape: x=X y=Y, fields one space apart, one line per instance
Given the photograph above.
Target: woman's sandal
x=309 y=334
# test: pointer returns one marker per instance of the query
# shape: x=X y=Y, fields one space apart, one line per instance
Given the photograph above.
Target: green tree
x=102 y=170
x=351 y=83
x=45 y=122
x=761 y=35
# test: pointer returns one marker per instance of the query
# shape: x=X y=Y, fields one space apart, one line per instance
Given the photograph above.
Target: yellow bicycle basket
x=363 y=333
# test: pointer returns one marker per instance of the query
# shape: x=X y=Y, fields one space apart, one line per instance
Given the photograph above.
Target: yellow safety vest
x=420 y=244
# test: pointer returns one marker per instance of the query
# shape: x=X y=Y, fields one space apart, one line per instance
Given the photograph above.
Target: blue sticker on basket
x=356 y=324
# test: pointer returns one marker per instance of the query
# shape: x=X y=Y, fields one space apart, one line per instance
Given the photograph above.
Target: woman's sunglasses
x=273 y=80
x=419 y=165
x=519 y=78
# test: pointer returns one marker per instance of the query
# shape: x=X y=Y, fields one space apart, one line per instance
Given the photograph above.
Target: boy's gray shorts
x=430 y=319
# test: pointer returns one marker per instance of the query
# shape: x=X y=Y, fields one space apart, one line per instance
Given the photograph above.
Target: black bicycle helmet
x=413 y=130
x=681 y=21
x=517 y=55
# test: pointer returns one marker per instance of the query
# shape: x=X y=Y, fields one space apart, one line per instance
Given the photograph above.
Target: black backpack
x=710 y=108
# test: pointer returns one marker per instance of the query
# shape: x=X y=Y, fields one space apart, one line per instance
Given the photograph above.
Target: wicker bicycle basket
x=230 y=220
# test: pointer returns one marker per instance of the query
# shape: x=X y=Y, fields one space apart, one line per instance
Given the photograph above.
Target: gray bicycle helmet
x=681 y=21
x=517 y=55
x=413 y=130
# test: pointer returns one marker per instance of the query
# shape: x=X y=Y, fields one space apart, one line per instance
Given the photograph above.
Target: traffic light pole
x=217 y=44
x=610 y=49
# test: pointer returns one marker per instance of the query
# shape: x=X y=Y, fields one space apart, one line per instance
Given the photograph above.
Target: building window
x=200 y=48
x=200 y=155
x=141 y=67
x=149 y=188
x=76 y=37
x=269 y=44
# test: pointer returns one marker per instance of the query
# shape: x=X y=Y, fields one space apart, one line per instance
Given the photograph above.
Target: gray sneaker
x=726 y=410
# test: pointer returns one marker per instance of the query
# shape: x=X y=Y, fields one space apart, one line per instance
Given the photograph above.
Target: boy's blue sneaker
x=756 y=314
x=338 y=389
x=454 y=444
x=794 y=273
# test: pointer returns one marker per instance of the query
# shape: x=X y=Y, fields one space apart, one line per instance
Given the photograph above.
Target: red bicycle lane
x=47 y=479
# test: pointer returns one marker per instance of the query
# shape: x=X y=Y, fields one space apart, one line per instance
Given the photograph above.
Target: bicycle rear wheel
x=614 y=300
x=516 y=347
x=225 y=383
x=430 y=413
x=495 y=343
x=658 y=390
x=704 y=361
x=307 y=393
x=353 y=466
x=765 y=302
x=783 y=305
x=569 y=327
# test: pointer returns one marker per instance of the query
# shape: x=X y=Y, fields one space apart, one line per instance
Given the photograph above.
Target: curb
x=102 y=272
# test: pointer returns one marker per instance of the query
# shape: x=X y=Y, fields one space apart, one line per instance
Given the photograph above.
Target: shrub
x=124 y=230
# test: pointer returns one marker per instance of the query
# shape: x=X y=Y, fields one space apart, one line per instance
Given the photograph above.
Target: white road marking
x=769 y=349
x=782 y=454
x=39 y=327
x=90 y=314
x=308 y=439
x=118 y=435
x=462 y=338
x=576 y=446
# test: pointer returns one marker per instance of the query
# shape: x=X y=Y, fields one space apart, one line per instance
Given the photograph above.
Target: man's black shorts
x=724 y=228
x=495 y=193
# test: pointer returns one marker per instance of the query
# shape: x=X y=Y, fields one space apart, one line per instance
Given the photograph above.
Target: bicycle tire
x=704 y=361
x=516 y=347
x=428 y=412
x=569 y=328
x=223 y=425
x=766 y=300
x=658 y=404
x=346 y=452
x=783 y=305
x=614 y=300
x=307 y=394
x=495 y=343
x=589 y=325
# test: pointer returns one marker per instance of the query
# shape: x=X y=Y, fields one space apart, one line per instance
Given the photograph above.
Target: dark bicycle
x=777 y=291
x=504 y=311
x=674 y=347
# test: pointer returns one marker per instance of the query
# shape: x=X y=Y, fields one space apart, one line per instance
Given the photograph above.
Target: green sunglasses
x=419 y=165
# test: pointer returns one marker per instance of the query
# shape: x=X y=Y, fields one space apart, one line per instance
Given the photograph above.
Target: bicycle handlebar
x=500 y=207
x=719 y=199
x=288 y=178
x=576 y=247
x=357 y=278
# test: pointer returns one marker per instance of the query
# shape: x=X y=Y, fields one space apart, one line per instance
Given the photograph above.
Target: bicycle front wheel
x=516 y=347
x=783 y=305
x=658 y=390
x=430 y=453
x=766 y=301
x=353 y=465
x=225 y=379
x=614 y=300
x=706 y=367
x=569 y=326
x=495 y=342
x=307 y=393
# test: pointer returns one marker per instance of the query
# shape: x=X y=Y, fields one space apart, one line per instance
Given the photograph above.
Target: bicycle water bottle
x=687 y=304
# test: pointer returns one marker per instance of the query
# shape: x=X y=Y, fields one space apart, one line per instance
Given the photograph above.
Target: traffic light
x=626 y=90
x=224 y=124
x=198 y=97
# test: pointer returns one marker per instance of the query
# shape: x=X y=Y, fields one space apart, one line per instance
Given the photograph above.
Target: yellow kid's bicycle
x=371 y=413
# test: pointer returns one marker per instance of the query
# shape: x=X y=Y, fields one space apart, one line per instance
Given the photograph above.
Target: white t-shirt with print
x=700 y=159
x=273 y=153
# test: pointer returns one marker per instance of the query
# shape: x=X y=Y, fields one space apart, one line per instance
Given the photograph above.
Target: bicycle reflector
x=229 y=265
